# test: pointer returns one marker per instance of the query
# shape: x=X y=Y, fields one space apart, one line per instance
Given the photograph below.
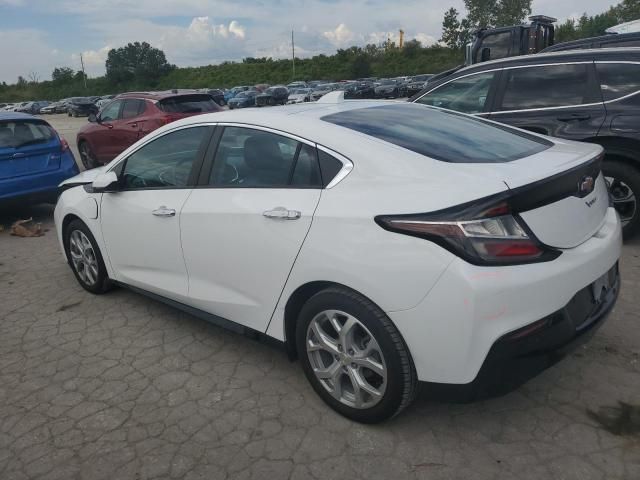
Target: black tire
x=402 y=379
x=102 y=283
x=630 y=178
x=87 y=156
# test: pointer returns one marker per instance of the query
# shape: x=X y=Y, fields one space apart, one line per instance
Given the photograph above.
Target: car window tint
x=165 y=161
x=550 y=86
x=329 y=167
x=440 y=134
x=131 y=108
x=466 y=95
x=254 y=158
x=499 y=45
x=196 y=103
x=19 y=134
x=306 y=172
x=618 y=79
x=111 y=111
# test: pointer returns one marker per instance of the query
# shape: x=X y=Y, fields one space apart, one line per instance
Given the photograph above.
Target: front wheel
x=85 y=258
x=623 y=181
x=354 y=357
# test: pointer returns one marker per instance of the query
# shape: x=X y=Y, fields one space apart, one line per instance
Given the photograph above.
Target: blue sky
x=38 y=35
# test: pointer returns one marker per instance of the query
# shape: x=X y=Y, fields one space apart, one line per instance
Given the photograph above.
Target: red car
x=131 y=116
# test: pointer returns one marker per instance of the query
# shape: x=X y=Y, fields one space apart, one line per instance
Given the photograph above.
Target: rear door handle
x=164 y=212
x=281 y=213
x=133 y=125
x=574 y=116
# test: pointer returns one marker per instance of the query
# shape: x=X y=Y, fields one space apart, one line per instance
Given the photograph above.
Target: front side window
x=618 y=79
x=548 y=86
x=257 y=159
x=111 y=112
x=165 y=162
x=467 y=95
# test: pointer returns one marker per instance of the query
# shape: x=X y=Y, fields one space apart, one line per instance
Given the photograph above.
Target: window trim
x=504 y=68
x=196 y=167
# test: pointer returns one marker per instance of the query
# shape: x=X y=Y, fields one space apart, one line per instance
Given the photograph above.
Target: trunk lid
x=560 y=193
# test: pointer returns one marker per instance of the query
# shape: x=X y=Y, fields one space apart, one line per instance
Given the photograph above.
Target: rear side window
x=549 y=86
x=329 y=167
x=618 y=79
x=249 y=158
x=20 y=134
x=440 y=134
x=189 y=104
x=132 y=108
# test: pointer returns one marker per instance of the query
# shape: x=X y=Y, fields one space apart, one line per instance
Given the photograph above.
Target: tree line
x=139 y=66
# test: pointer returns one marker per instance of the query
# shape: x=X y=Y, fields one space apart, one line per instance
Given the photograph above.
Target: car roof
x=617 y=53
x=17 y=116
x=609 y=38
x=159 y=95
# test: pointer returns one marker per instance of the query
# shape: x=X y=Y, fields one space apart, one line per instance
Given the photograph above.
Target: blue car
x=34 y=159
x=232 y=92
x=243 y=99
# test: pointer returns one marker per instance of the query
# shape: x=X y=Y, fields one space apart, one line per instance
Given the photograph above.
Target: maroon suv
x=130 y=116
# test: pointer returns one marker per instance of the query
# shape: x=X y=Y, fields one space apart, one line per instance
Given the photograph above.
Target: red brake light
x=64 y=145
x=480 y=234
x=166 y=119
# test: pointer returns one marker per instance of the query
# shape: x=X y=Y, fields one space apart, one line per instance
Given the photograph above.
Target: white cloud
x=93 y=60
x=340 y=36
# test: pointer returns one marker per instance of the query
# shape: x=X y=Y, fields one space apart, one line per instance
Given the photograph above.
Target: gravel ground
x=122 y=387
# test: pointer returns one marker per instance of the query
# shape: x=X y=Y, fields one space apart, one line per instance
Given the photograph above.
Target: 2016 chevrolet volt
x=383 y=243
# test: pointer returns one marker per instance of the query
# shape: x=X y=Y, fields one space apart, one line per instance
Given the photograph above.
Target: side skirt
x=209 y=317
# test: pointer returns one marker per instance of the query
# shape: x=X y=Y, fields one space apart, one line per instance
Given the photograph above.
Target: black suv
x=586 y=95
x=611 y=40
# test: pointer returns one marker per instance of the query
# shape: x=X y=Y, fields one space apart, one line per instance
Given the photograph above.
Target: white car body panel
x=224 y=231
x=244 y=267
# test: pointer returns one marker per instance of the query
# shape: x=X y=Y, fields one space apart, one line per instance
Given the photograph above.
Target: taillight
x=64 y=145
x=480 y=234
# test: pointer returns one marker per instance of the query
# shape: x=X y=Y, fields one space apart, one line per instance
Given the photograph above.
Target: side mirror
x=485 y=54
x=92 y=117
x=105 y=182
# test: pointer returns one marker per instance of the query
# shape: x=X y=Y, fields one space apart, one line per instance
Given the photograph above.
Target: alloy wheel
x=346 y=359
x=624 y=200
x=83 y=257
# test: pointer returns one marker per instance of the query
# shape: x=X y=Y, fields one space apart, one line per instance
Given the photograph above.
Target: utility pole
x=293 y=55
x=84 y=75
x=401 y=38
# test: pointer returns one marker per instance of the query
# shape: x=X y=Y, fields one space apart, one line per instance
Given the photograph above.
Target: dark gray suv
x=586 y=95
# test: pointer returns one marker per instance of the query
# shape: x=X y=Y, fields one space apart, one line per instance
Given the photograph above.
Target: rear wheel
x=623 y=181
x=86 y=155
x=354 y=357
x=85 y=258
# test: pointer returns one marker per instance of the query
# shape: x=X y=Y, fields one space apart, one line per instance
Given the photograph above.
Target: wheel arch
x=294 y=305
x=623 y=149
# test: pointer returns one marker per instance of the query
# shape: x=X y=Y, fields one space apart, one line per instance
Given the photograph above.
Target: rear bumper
x=458 y=324
x=522 y=354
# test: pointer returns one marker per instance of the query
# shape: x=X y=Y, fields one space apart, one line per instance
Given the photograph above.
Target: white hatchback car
x=382 y=243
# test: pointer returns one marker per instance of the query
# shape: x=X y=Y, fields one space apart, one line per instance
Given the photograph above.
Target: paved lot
x=121 y=387
x=67 y=127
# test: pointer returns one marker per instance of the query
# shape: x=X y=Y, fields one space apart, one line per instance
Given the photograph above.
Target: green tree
x=138 y=62
x=496 y=13
x=451 y=29
x=62 y=74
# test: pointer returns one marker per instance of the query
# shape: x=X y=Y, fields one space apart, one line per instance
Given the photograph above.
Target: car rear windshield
x=189 y=104
x=18 y=133
x=441 y=134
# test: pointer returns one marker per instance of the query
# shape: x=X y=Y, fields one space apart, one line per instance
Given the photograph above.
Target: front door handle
x=164 y=212
x=282 y=213
x=133 y=125
x=574 y=116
